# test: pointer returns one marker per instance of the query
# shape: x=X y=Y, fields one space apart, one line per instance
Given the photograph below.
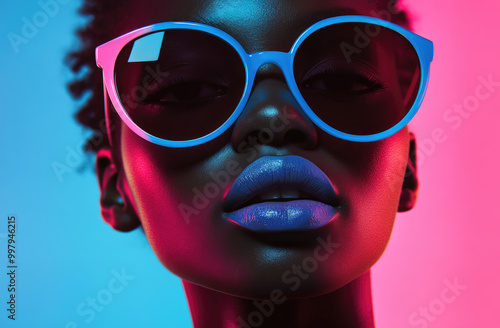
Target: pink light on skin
x=226 y=191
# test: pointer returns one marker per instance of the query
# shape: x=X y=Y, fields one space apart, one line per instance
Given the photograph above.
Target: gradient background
x=67 y=254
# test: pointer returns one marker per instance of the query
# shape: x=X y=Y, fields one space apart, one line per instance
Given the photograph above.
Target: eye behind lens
x=359 y=86
x=342 y=83
x=200 y=81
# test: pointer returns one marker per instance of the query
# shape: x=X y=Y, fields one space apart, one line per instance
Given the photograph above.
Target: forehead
x=257 y=24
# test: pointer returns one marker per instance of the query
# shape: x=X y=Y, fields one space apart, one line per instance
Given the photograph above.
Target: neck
x=347 y=307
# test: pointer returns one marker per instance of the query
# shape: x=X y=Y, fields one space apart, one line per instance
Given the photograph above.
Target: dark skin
x=224 y=268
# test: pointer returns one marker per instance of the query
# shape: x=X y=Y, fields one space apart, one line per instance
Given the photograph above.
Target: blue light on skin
x=254 y=13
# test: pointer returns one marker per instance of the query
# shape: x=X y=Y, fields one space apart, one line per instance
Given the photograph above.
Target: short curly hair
x=87 y=80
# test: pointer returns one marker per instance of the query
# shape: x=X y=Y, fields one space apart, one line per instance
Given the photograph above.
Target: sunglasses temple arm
x=107 y=115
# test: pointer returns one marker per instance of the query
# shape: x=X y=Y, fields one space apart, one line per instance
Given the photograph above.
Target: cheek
x=370 y=185
x=179 y=220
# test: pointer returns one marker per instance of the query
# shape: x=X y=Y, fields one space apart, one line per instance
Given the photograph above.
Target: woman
x=269 y=187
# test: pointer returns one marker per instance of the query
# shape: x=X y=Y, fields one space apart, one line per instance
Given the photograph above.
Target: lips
x=281 y=193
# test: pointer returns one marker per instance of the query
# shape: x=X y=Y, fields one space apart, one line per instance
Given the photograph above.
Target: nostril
x=265 y=136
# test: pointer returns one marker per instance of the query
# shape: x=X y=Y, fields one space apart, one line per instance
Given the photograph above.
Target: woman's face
x=179 y=193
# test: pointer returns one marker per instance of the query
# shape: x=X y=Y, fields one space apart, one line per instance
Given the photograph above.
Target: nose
x=273 y=117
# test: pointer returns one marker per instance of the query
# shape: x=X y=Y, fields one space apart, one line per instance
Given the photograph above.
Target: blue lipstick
x=281 y=193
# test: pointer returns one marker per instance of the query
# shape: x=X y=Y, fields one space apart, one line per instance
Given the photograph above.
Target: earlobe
x=116 y=207
x=409 y=190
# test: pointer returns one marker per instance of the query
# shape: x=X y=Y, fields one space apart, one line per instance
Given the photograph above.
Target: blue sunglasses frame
x=107 y=54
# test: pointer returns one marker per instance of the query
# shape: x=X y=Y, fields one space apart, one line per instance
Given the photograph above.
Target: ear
x=116 y=207
x=409 y=191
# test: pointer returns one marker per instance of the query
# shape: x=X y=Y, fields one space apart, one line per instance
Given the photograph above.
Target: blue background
x=65 y=252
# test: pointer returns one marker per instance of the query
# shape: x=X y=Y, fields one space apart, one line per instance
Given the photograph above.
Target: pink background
x=453 y=233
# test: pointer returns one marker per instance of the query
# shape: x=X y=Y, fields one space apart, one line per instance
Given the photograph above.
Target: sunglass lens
x=179 y=84
x=359 y=78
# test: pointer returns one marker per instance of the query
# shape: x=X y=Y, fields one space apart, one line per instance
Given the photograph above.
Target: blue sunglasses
x=182 y=84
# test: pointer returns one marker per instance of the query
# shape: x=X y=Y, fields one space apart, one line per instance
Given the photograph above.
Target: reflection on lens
x=179 y=84
x=359 y=78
